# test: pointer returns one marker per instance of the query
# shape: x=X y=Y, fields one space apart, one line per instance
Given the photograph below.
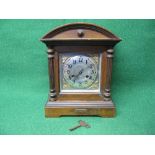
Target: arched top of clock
x=80 y=33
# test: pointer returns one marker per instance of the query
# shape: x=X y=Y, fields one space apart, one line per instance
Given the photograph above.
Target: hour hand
x=71 y=76
x=81 y=71
x=76 y=76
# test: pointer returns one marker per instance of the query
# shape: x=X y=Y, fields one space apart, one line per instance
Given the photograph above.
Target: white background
x=77 y=145
x=77 y=9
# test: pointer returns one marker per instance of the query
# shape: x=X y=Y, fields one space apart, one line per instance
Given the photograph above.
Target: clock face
x=79 y=72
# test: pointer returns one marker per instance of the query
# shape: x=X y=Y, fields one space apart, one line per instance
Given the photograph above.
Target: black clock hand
x=81 y=71
x=76 y=76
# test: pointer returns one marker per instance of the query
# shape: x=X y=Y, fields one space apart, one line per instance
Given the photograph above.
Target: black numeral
x=80 y=59
x=70 y=66
x=86 y=61
x=68 y=71
x=93 y=72
x=91 y=65
x=74 y=61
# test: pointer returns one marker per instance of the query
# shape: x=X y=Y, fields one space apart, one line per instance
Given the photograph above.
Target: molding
x=110 y=53
x=82 y=104
x=80 y=25
x=107 y=95
x=50 y=53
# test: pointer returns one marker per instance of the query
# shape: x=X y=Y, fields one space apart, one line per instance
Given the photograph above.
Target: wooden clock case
x=79 y=37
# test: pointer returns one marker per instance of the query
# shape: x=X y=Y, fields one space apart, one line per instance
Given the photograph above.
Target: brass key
x=81 y=123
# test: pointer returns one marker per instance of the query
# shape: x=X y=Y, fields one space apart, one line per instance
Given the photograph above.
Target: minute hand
x=76 y=76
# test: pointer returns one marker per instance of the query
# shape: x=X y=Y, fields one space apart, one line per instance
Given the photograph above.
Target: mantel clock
x=80 y=67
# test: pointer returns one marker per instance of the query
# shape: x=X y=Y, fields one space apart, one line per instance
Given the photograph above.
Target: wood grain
x=85 y=38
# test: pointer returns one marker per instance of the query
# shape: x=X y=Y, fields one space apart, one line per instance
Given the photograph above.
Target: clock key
x=81 y=124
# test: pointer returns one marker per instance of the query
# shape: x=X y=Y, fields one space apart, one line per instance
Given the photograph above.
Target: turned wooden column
x=52 y=93
x=107 y=93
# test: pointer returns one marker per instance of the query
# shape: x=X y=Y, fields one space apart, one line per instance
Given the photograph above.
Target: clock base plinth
x=85 y=108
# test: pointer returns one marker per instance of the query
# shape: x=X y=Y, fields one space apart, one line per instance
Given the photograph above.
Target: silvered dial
x=80 y=71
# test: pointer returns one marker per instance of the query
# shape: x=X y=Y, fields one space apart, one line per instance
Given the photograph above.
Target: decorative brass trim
x=50 y=53
x=52 y=94
x=110 y=53
x=49 y=50
x=94 y=88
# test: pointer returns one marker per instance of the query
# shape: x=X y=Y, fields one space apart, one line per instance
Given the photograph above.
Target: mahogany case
x=79 y=37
